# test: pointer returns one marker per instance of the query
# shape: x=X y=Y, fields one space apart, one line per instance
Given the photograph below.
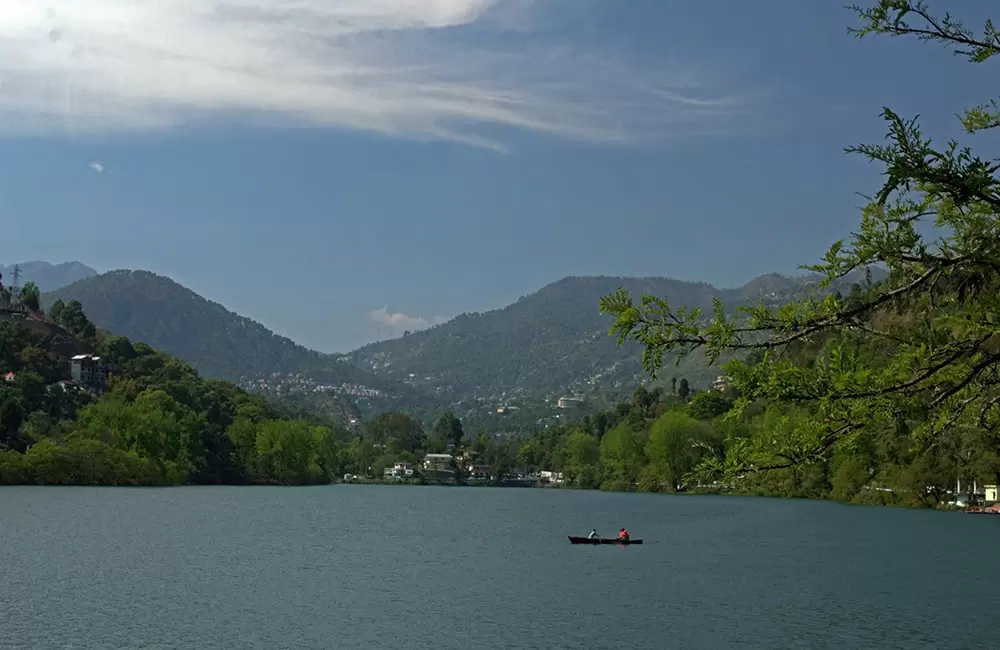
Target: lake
x=437 y=567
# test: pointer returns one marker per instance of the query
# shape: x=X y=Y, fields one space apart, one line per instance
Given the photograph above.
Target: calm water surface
x=448 y=568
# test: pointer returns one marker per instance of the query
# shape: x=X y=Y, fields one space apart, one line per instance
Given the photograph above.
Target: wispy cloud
x=413 y=68
x=97 y=166
x=401 y=322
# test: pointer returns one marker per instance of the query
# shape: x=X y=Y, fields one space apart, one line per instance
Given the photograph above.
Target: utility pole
x=15 y=288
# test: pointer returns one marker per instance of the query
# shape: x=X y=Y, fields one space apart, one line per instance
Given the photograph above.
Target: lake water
x=449 y=568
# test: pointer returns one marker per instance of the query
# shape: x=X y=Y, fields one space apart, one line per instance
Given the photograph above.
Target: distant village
x=286 y=383
x=447 y=468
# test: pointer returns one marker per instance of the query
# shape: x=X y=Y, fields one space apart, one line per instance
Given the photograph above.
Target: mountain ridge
x=551 y=342
x=566 y=349
x=219 y=343
x=48 y=276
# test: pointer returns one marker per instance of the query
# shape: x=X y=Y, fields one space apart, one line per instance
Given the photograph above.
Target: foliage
x=909 y=365
x=155 y=423
x=30 y=296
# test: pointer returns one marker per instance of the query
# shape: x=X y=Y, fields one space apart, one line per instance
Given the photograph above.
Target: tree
x=31 y=296
x=396 y=429
x=56 y=310
x=684 y=389
x=117 y=349
x=642 y=400
x=676 y=442
x=918 y=353
x=75 y=321
x=582 y=460
x=708 y=405
x=448 y=430
x=621 y=458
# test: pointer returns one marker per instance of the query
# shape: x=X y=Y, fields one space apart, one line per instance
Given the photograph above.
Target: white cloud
x=401 y=322
x=414 y=68
x=97 y=166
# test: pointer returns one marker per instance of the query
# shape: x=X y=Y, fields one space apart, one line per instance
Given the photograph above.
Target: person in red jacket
x=623 y=535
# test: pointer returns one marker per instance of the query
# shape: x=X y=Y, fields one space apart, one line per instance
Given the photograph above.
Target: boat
x=603 y=540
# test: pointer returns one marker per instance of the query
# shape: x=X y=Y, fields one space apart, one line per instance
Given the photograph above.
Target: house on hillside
x=10 y=378
x=569 y=403
x=90 y=372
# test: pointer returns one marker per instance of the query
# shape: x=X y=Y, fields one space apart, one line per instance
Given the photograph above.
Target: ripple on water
x=369 y=566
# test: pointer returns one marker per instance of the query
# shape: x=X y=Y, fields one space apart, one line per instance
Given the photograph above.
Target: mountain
x=47 y=276
x=219 y=343
x=551 y=343
x=556 y=341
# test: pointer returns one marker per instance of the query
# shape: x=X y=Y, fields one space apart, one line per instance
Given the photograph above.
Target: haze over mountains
x=549 y=343
x=48 y=277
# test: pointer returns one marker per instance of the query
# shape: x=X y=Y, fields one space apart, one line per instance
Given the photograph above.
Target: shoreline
x=487 y=484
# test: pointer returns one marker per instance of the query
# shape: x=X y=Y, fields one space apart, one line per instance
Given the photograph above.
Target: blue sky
x=343 y=170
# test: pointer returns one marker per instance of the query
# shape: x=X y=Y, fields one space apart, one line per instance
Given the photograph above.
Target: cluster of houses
x=444 y=466
x=438 y=465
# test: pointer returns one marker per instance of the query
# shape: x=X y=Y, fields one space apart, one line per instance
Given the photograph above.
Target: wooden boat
x=603 y=540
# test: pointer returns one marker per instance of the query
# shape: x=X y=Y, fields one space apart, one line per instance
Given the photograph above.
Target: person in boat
x=593 y=534
x=623 y=535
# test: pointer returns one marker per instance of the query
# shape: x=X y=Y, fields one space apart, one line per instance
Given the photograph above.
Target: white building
x=569 y=402
x=721 y=383
x=399 y=470
x=990 y=492
x=88 y=370
x=438 y=462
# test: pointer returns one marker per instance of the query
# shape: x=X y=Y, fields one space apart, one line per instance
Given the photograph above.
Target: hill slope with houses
x=555 y=341
x=219 y=343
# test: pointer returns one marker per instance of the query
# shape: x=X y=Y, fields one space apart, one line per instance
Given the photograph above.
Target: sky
x=344 y=170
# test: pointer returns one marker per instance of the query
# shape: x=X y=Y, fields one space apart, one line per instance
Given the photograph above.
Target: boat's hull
x=603 y=540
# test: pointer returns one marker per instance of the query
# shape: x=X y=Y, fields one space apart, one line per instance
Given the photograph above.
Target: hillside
x=219 y=343
x=48 y=277
x=155 y=422
x=554 y=341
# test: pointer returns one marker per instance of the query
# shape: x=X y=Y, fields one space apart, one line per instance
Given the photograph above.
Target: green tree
x=56 y=310
x=72 y=317
x=708 y=405
x=447 y=430
x=285 y=450
x=396 y=429
x=642 y=400
x=581 y=466
x=684 y=389
x=31 y=296
x=675 y=445
x=621 y=458
x=918 y=351
x=117 y=349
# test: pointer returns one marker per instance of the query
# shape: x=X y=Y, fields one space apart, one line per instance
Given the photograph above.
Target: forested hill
x=145 y=418
x=219 y=343
x=556 y=340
